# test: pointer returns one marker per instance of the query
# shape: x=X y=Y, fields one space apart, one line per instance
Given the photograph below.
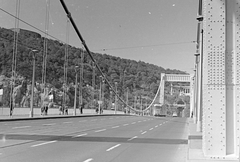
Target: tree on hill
x=141 y=78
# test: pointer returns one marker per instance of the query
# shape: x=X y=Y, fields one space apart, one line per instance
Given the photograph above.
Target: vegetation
x=141 y=79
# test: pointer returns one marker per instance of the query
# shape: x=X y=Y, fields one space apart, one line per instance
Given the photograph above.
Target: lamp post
x=116 y=98
x=33 y=82
x=127 y=108
x=75 y=96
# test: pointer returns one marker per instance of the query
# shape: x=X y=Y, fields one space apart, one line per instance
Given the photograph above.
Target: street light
x=116 y=98
x=75 y=96
x=33 y=83
x=100 y=96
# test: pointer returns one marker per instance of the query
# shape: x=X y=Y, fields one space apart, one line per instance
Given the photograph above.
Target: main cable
x=88 y=51
x=32 y=26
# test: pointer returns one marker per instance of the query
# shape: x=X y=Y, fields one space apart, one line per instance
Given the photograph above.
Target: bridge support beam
x=221 y=79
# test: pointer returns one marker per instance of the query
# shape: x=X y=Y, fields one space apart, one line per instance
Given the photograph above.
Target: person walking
x=11 y=108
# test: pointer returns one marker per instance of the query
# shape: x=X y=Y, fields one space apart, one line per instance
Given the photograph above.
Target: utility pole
x=127 y=109
x=100 y=97
x=116 y=98
x=141 y=105
x=75 y=96
x=33 y=83
x=93 y=83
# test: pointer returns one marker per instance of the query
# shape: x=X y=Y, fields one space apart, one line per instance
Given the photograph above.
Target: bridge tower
x=176 y=78
x=221 y=78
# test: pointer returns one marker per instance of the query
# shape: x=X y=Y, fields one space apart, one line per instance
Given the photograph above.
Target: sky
x=159 y=32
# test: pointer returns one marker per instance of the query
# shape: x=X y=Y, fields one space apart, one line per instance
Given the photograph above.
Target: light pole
x=127 y=108
x=100 y=96
x=75 y=96
x=33 y=83
x=141 y=105
x=116 y=98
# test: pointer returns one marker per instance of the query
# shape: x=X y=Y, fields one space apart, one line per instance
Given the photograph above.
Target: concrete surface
x=195 y=153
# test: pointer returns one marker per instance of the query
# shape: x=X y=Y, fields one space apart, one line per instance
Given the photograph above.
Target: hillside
x=141 y=78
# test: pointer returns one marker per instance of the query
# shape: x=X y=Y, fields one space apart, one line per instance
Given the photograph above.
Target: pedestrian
x=60 y=110
x=46 y=109
x=81 y=108
x=66 y=109
x=96 y=110
x=11 y=108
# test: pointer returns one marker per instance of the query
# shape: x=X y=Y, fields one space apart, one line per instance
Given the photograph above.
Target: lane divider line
x=21 y=127
x=144 y=132
x=115 y=127
x=134 y=123
x=82 y=120
x=151 y=129
x=125 y=124
x=40 y=144
x=67 y=122
x=101 y=130
x=132 y=138
x=49 y=124
x=80 y=135
x=88 y=160
x=111 y=148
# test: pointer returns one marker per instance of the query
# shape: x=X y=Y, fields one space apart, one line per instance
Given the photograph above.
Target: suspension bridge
x=213 y=91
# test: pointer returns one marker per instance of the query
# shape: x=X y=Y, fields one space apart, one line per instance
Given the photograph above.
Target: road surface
x=95 y=139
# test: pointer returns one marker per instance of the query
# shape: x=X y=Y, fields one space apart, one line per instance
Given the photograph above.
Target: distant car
x=174 y=114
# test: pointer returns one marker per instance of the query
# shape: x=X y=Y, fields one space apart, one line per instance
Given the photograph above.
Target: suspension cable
x=45 y=47
x=66 y=62
x=14 y=55
x=89 y=53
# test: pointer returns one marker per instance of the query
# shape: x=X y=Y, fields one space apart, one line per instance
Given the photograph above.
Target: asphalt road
x=95 y=139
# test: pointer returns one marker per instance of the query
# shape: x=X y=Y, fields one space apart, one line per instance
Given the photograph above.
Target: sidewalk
x=23 y=113
x=195 y=153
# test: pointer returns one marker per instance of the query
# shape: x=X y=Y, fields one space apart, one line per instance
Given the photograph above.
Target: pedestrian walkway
x=24 y=113
x=195 y=153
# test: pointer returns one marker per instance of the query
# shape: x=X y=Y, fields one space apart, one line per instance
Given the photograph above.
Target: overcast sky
x=159 y=32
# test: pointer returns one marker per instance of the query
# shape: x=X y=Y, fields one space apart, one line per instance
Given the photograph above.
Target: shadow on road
x=34 y=138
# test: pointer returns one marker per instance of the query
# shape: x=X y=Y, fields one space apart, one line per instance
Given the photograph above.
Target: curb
x=57 y=117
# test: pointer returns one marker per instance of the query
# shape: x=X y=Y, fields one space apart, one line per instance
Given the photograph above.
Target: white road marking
x=88 y=160
x=133 y=122
x=67 y=122
x=156 y=126
x=80 y=135
x=139 y=121
x=144 y=132
x=151 y=129
x=125 y=124
x=132 y=138
x=40 y=144
x=115 y=127
x=49 y=124
x=82 y=120
x=113 y=147
x=101 y=130
x=21 y=127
